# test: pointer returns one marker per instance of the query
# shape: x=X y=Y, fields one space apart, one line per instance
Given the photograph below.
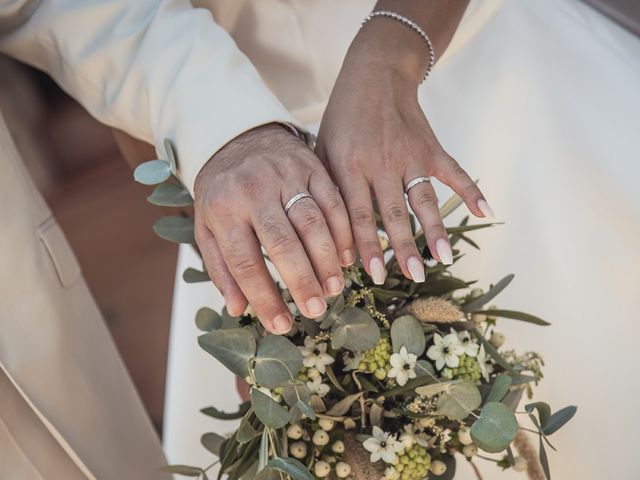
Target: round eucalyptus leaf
x=233 y=347
x=362 y=330
x=175 y=229
x=268 y=411
x=459 y=400
x=294 y=391
x=495 y=429
x=330 y=316
x=500 y=388
x=191 y=275
x=277 y=360
x=434 y=389
x=153 y=172
x=425 y=368
x=339 y=337
x=208 y=320
x=170 y=195
x=406 y=331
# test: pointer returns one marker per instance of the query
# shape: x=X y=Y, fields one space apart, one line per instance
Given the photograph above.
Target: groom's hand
x=239 y=199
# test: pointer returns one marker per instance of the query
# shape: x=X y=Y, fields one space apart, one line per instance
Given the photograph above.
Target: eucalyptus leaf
x=433 y=389
x=291 y=467
x=152 y=172
x=544 y=412
x=306 y=409
x=514 y=315
x=268 y=411
x=246 y=432
x=478 y=302
x=191 y=275
x=295 y=390
x=500 y=388
x=425 y=368
x=335 y=308
x=170 y=195
x=184 y=470
x=172 y=158
x=277 y=360
x=212 y=442
x=459 y=400
x=362 y=330
x=411 y=385
x=343 y=406
x=233 y=347
x=544 y=461
x=208 y=320
x=175 y=229
x=495 y=428
x=263 y=455
x=407 y=332
x=339 y=337
x=220 y=415
x=558 y=419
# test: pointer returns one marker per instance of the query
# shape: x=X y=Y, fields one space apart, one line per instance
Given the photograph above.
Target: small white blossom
x=486 y=368
x=445 y=351
x=352 y=362
x=315 y=355
x=317 y=387
x=383 y=446
x=403 y=366
x=409 y=437
x=471 y=347
x=391 y=473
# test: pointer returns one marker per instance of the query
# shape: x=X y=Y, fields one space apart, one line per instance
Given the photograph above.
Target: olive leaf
x=478 y=302
x=450 y=205
x=495 y=428
x=362 y=331
x=212 y=442
x=233 y=347
x=175 y=229
x=208 y=320
x=558 y=419
x=191 y=275
x=459 y=400
x=246 y=432
x=291 y=467
x=152 y=172
x=220 y=415
x=294 y=391
x=514 y=315
x=277 y=360
x=170 y=195
x=344 y=405
x=268 y=411
x=184 y=470
x=406 y=331
x=263 y=455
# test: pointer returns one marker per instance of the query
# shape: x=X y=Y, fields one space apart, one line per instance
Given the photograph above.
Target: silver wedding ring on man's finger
x=297 y=197
x=414 y=182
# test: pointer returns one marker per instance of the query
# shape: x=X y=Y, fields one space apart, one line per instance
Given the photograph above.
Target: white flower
x=403 y=366
x=352 y=362
x=409 y=437
x=315 y=355
x=317 y=387
x=383 y=446
x=391 y=473
x=445 y=351
x=470 y=346
x=486 y=368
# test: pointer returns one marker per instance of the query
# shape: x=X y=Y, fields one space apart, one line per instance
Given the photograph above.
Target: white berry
x=469 y=450
x=349 y=423
x=464 y=435
x=320 y=438
x=322 y=469
x=476 y=292
x=343 y=470
x=298 y=450
x=326 y=424
x=313 y=373
x=520 y=464
x=338 y=446
x=294 y=431
x=438 y=467
x=497 y=339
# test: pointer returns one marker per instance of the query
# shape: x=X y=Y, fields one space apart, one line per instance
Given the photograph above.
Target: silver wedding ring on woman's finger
x=297 y=197
x=414 y=182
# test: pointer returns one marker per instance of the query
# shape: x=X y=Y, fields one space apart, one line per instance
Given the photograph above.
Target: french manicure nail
x=282 y=324
x=444 y=251
x=334 y=285
x=348 y=257
x=316 y=306
x=416 y=269
x=486 y=210
x=376 y=268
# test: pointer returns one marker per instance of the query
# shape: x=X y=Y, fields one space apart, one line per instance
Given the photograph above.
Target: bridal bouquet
x=393 y=382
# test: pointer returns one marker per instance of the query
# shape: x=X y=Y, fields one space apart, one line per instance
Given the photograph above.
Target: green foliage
x=184 y=470
x=152 y=172
x=220 y=415
x=208 y=320
x=500 y=388
x=355 y=330
x=191 y=275
x=495 y=428
x=524 y=317
x=175 y=229
x=268 y=411
x=482 y=300
x=407 y=332
x=233 y=347
x=170 y=195
x=458 y=400
x=277 y=360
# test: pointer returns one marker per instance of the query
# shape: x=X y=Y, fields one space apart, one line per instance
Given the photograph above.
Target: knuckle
x=249 y=184
x=310 y=220
x=396 y=213
x=306 y=284
x=425 y=198
x=244 y=267
x=333 y=201
x=362 y=216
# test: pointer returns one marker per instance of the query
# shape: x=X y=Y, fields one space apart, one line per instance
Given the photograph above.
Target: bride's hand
x=239 y=198
x=375 y=139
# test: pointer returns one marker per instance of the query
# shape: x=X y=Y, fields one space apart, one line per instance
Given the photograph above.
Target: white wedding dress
x=540 y=99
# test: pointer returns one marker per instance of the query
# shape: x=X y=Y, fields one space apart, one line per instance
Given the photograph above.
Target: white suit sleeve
x=154 y=68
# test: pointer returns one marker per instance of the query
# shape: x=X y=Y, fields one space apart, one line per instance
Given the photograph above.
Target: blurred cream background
x=540 y=101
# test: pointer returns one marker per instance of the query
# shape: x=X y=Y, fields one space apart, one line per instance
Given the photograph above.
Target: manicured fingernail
x=416 y=269
x=334 y=285
x=348 y=257
x=376 y=268
x=282 y=324
x=444 y=251
x=316 y=306
x=486 y=210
